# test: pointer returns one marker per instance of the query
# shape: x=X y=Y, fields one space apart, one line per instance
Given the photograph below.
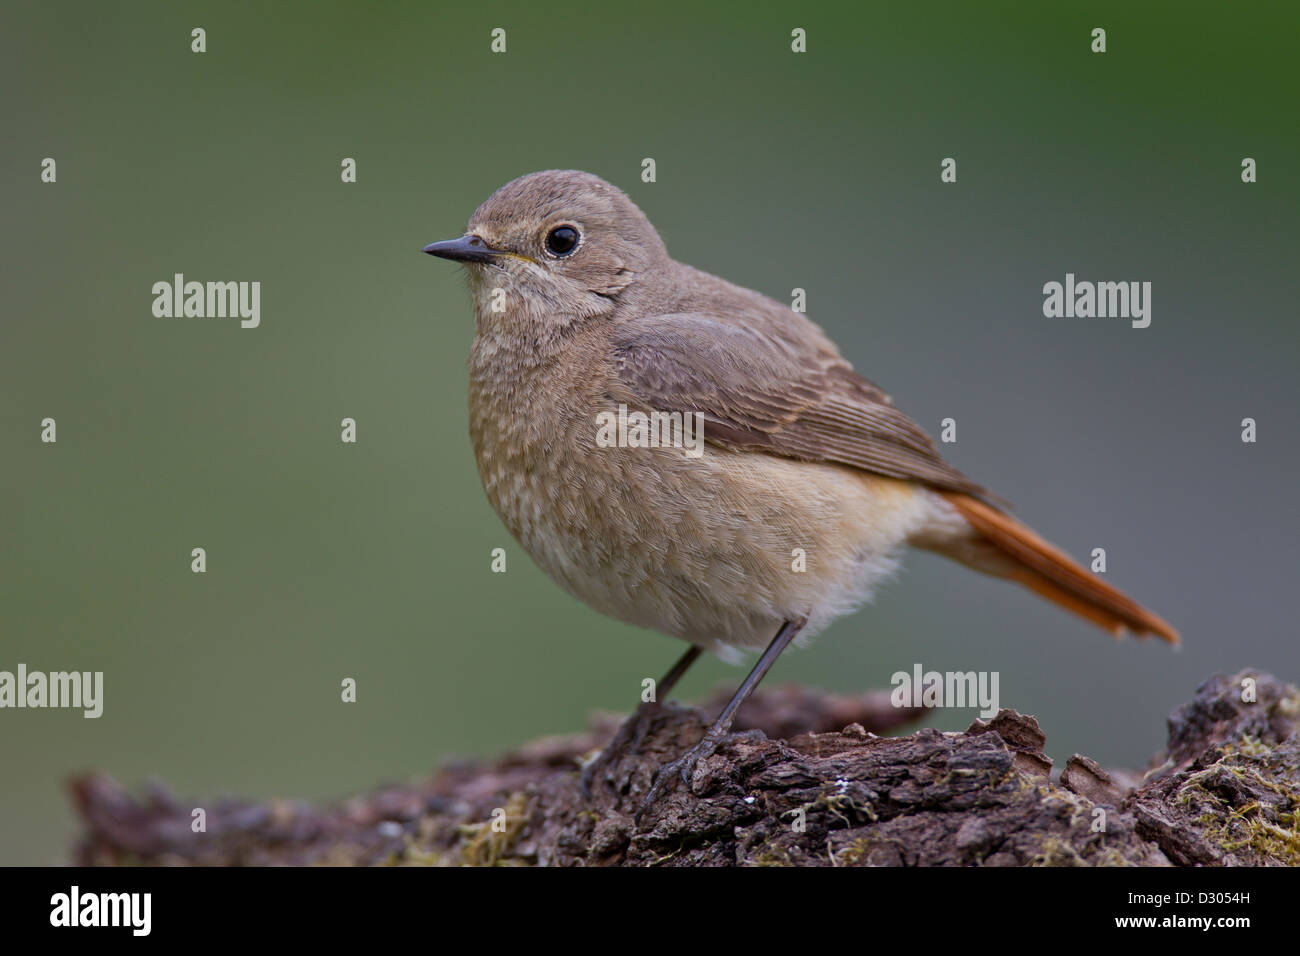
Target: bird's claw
x=683 y=767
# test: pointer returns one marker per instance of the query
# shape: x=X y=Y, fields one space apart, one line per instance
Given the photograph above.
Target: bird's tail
x=1051 y=573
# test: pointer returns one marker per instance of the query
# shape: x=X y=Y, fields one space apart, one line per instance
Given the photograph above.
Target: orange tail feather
x=1051 y=573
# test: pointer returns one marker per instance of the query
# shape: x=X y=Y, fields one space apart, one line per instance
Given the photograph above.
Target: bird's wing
x=790 y=393
x=759 y=390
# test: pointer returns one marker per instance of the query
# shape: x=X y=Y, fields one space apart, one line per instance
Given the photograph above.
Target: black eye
x=562 y=240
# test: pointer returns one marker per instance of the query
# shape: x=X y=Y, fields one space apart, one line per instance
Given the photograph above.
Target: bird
x=581 y=314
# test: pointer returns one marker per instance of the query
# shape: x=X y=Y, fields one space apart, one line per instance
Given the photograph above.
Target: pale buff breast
x=706 y=549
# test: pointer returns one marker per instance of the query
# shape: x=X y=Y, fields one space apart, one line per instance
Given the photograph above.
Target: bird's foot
x=683 y=767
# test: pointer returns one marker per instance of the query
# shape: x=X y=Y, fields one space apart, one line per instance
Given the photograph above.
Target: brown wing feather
x=762 y=393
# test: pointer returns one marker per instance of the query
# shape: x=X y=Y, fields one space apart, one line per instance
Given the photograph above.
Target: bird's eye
x=561 y=241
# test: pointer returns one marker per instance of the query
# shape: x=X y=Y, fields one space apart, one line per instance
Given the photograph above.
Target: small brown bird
x=580 y=313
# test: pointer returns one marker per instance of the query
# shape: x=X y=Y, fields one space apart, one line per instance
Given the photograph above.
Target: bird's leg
x=662 y=689
x=633 y=729
x=675 y=673
x=684 y=766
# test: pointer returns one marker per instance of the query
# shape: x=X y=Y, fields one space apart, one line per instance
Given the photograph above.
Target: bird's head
x=560 y=243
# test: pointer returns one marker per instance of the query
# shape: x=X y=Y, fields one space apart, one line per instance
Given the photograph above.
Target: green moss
x=483 y=845
x=852 y=854
x=1054 y=851
x=770 y=858
x=837 y=803
x=1263 y=831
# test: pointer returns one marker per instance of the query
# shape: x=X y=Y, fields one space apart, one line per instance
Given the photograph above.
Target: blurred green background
x=775 y=170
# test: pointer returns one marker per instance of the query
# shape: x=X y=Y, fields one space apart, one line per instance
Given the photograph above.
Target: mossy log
x=804 y=781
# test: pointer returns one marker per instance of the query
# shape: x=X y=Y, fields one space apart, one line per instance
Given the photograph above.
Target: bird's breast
x=714 y=548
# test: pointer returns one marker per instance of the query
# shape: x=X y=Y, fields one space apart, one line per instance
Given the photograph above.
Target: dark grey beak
x=468 y=248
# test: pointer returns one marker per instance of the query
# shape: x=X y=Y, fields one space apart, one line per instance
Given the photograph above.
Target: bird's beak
x=468 y=248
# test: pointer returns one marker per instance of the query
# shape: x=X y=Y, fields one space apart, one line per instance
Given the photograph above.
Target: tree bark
x=803 y=782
